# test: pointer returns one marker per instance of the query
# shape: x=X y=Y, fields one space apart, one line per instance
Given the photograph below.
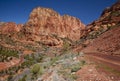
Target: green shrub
x=73 y=76
x=37 y=69
x=5 y=53
x=83 y=62
x=53 y=60
x=75 y=68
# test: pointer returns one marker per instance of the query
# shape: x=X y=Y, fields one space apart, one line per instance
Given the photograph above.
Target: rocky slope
x=108 y=19
x=109 y=43
x=103 y=34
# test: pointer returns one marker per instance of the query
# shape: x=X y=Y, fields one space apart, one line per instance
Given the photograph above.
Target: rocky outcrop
x=9 y=28
x=103 y=33
x=108 y=19
x=47 y=22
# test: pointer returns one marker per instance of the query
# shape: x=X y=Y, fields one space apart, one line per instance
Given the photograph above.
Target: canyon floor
x=100 y=68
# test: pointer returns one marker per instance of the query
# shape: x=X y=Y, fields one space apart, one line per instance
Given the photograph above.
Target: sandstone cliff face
x=9 y=28
x=45 y=26
x=46 y=22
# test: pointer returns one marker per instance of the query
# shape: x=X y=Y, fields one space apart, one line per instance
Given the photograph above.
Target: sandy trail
x=110 y=60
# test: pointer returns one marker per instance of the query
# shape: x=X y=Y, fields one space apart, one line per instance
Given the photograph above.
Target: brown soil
x=97 y=68
x=109 y=60
x=108 y=42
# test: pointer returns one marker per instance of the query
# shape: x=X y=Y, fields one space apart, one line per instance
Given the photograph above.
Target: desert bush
x=75 y=68
x=73 y=76
x=83 y=62
x=37 y=69
x=5 y=53
x=53 y=60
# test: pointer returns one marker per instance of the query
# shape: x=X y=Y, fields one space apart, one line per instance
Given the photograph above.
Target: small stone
x=90 y=70
x=112 y=77
x=95 y=75
x=73 y=73
x=74 y=58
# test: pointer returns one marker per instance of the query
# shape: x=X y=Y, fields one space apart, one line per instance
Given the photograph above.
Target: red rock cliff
x=45 y=21
x=10 y=27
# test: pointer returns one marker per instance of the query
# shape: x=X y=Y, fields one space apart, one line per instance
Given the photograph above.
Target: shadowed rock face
x=45 y=21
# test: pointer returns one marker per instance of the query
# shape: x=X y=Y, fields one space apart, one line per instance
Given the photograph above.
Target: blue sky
x=86 y=10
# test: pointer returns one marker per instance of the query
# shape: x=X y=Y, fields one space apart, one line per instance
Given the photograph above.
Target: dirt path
x=109 y=60
x=90 y=72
